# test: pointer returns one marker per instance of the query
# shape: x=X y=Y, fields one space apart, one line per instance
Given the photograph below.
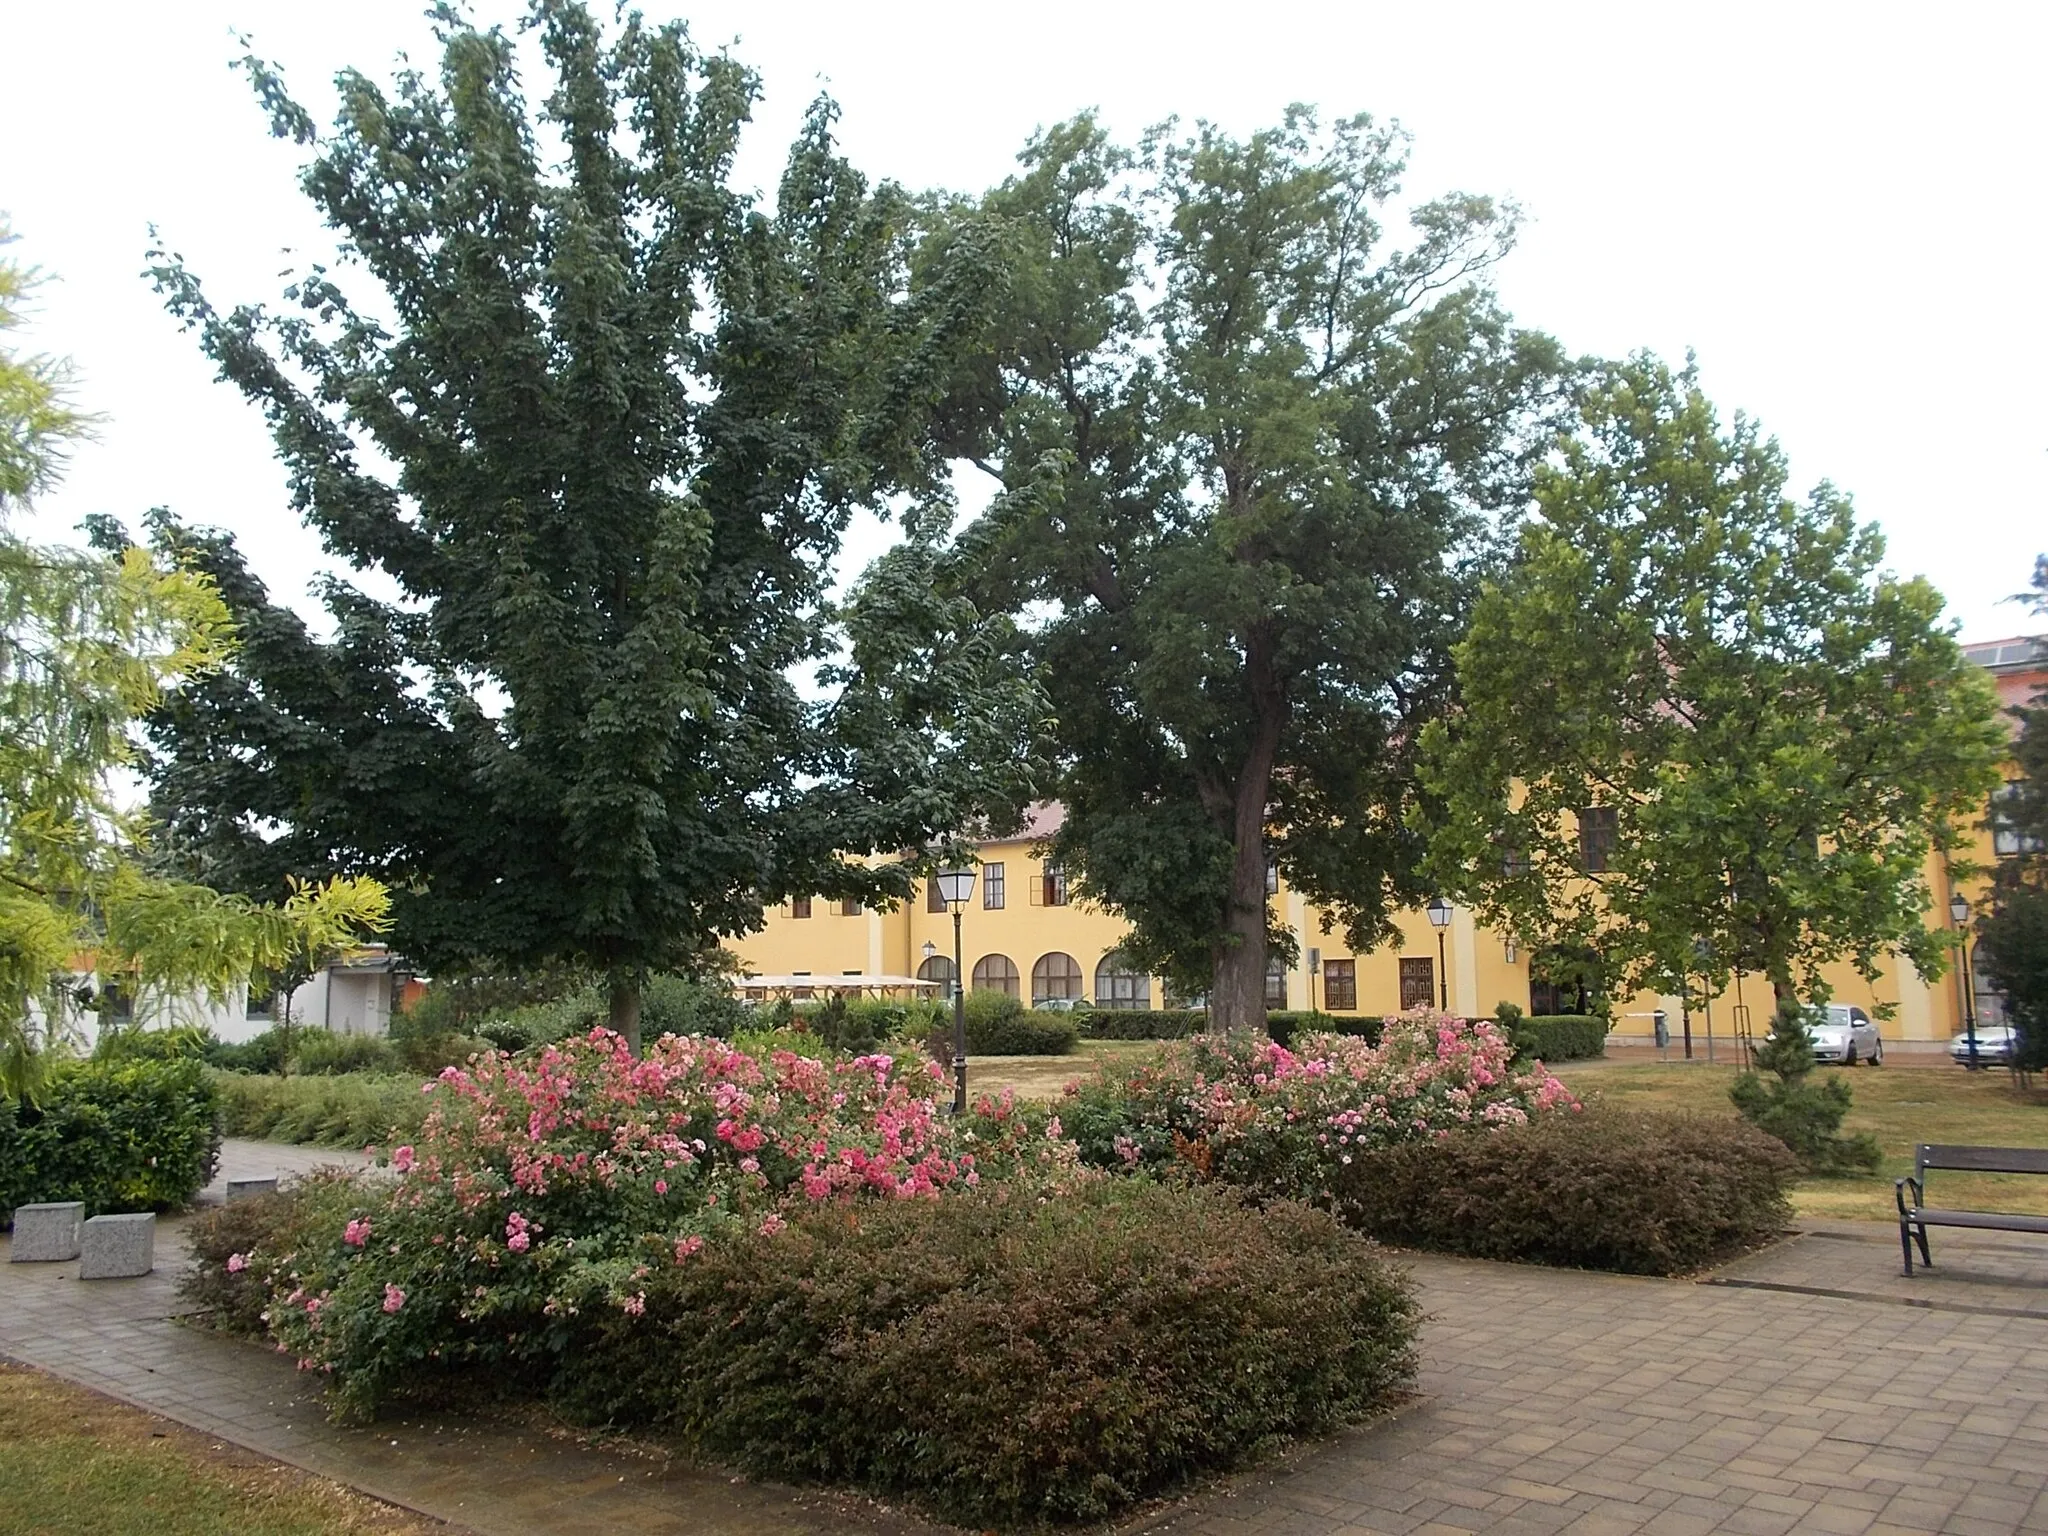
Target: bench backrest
x=1982 y=1159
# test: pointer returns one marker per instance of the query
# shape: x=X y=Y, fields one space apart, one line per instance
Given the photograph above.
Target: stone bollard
x=46 y=1234
x=118 y=1247
x=249 y=1189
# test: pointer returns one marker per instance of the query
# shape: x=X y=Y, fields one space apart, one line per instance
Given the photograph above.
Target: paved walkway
x=1805 y=1389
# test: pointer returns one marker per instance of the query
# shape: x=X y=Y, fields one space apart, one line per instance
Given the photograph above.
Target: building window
x=849 y=906
x=995 y=973
x=1272 y=878
x=1418 y=982
x=1514 y=861
x=1171 y=996
x=1276 y=984
x=2007 y=841
x=992 y=893
x=1052 y=887
x=1055 y=976
x=800 y=994
x=938 y=968
x=1118 y=986
x=1340 y=984
x=261 y=1005
x=1598 y=826
x=799 y=906
x=934 y=898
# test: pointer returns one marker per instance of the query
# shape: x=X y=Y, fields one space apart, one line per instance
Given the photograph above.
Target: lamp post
x=955 y=886
x=1959 y=913
x=1440 y=919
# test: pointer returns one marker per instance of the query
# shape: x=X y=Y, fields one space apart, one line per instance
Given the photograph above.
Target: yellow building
x=1021 y=934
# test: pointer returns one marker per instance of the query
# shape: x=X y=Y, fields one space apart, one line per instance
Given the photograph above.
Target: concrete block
x=46 y=1234
x=117 y=1247
x=249 y=1189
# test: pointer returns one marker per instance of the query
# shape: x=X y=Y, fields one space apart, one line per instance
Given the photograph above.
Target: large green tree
x=1700 y=728
x=1248 y=442
x=2013 y=946
x=603 y=421
x=88 y=642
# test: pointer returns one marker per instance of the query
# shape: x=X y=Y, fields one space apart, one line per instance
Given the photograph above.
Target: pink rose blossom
x=661 y=1186
x=357 y=1232
x=394 y=1298
x=402 y=1159
x=772 y=1225
x=686 y=1246
x=237 y=1262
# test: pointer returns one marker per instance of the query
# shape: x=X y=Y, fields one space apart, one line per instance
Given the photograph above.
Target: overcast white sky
x=1838 y=206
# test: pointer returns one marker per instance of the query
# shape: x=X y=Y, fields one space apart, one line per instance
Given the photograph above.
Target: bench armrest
x=1899 y=1193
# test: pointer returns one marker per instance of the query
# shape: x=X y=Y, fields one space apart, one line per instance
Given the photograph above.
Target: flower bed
x=1253 y=1112
x=711 y=1241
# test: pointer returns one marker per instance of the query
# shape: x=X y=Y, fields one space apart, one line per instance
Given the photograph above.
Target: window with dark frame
x=1418 y=982
x=849 y=906
x=1598 y=827
x=800 y=994
x=993 y=894
x=1055 y=883
x=799 y=906
x=261 y=1005
x=1340 y=984
x=1119 y=986
x=1057 y=975
x=995 y=973
x=2007 y=841
x=1276 y=984
x=934 y=898
x=1272 y=878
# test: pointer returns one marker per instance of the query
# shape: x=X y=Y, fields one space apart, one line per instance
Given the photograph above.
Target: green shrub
x=1141 y=1023
x=1638 y=1192
x=351 y=1111
x=1008 y=1361
x=265 y=1053
x=1565 y=1036
x=120 y=1135
x=185 y=1042
x=1806 y=1116
x=681 y=1005
x=1000 y=1025
x=322 y=1053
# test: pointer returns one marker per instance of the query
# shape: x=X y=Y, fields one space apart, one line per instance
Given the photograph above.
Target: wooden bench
x=1915 y=1219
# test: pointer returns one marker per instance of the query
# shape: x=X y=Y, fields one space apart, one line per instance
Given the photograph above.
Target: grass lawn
x=1902 y=1106
x=73 y=1463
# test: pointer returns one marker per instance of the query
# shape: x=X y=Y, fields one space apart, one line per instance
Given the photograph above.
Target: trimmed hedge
x=126 y=1134
x=1565 y=1036
x=1638 y=1192
x=1007 y=1361
x=349 y=1111
x=1000 y=1025
x=1140 y=1023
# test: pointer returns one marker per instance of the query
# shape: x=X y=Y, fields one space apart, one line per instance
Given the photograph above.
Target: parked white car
x=1844 y=1034
x=1995 y=1045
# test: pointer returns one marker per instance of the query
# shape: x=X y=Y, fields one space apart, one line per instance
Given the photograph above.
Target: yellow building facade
x=1020 y=933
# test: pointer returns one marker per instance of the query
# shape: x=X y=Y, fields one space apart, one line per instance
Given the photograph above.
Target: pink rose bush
x=1248 y=1111
x=542 y=1187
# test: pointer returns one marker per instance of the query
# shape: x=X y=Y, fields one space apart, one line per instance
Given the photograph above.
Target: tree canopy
x=603 y=421
x=2013 y=951
x=88 y=642
x=1701 y=731
x=1248 y=443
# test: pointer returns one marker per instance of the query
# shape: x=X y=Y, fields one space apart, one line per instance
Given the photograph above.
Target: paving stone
x=46 y=1233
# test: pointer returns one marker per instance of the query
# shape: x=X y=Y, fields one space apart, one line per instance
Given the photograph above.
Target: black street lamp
x=955 y=887
x=1440 y=919
x=1959 y=913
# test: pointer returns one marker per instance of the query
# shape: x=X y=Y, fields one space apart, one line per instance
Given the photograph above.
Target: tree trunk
x=625 y=1011
x=1237 y=996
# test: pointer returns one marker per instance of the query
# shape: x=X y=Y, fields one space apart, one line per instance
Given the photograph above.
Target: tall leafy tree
x=88 y=642
x=603 y=421
x=2013 y=942
x=1248 y=442
x=1700 y=727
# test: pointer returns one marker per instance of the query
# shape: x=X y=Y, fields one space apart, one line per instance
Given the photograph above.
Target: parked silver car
x=1995 y=1045
x=1845 y=1034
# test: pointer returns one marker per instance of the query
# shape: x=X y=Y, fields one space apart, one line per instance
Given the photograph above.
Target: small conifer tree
x=1804 y=1114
